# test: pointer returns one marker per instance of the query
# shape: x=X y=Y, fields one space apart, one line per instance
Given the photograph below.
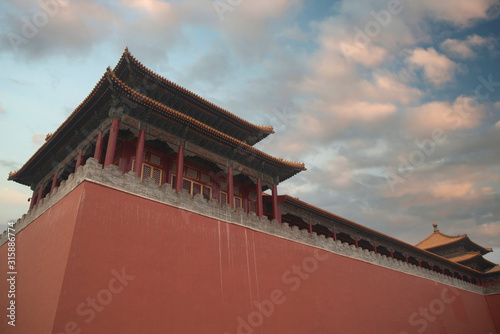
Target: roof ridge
x=263 y=128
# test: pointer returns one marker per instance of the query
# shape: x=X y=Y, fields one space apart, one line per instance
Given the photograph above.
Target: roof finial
x=435 y=227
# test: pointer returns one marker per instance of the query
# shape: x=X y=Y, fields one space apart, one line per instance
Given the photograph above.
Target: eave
x=136 y=97
x=350 y=224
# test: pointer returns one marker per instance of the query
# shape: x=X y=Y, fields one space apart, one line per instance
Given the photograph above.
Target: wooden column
x=79 y=159
x=392 y=254
x=41 y=193
x=406 y=258
x=276 y=209
x=33 y=200
x=259 y=204
x=420 y=263
x=334 y=235
x=310 y=226
x=230 y=186
x=375 y=248
x=356 y=241
x=55 y=182
x=180 y=168
x=139 y=152
x=113 y=137
x=98 y=148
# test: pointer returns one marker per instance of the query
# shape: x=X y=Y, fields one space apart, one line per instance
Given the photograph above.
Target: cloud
x=73 y=27
x=2 y=110
x=12 y=165
x=464 y=48
x=461 y=13
x=444 y=116
x=38 y=139
x=490 y=230
x=437 y=68
x=497 y=125
x=11 y=196
x=451 y=190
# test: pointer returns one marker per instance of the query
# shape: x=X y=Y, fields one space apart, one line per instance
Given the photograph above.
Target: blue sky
x=393 y=106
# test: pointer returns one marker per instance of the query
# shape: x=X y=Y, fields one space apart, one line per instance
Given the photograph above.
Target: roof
x=342 y=220
x=438 y=239
x=181 y=117
x=495 y=269
x=127 y=58
x=102 y=87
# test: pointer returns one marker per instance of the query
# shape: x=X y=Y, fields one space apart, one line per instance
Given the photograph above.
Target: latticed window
x=194 y=187
x=149 y=171
x=238 y=202
x=252 y=206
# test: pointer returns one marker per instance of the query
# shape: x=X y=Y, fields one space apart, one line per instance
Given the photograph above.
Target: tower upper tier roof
x=134 y=73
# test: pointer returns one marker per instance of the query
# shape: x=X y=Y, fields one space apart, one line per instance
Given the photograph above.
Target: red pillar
x=406 y=258
x=356 y=241
x=113 y=137
x=230 y=186
x=41 y=193
x=98 y=148
x=276 y=209
x=375 y=248
x=180 y=168
x=79 y=159
x=139 y=152
x=392 y=254
x=420 y=263
x=33 y=200
x=334 y=235
x=442 y=271
x=310 y=226
x=260 y=207
x=55 y=182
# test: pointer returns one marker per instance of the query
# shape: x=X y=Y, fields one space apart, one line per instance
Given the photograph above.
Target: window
x=223 y=197
x=149 y=171
x=194 y=187
x=238 y=202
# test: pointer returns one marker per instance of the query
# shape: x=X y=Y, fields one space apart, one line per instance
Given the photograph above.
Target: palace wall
x=103 y=260
x=140 y=266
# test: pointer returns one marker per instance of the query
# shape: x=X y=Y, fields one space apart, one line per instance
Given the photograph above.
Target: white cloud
x=458 y=12
x=465 y=48
x=2 y=111
x=459 y=115
x=437 y=68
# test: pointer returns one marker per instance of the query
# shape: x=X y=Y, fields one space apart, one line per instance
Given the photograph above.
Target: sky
x=394 y=106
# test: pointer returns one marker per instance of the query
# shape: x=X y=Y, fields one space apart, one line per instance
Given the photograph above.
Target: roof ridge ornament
x=436 y=230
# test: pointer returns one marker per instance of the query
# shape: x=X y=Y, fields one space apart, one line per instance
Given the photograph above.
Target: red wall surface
x=494 y=305
x=138 y=266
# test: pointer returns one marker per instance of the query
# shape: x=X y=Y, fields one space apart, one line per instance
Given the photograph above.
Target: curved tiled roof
x=199 y=125
x=259 y=128
x=438 y=239
x=472 y=255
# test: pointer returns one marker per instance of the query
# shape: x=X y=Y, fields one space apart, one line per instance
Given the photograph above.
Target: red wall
x=494 y=305
x=41 y=256
x=193 y=274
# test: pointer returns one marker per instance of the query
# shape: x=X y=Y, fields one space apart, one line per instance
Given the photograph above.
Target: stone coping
x=112 y=177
